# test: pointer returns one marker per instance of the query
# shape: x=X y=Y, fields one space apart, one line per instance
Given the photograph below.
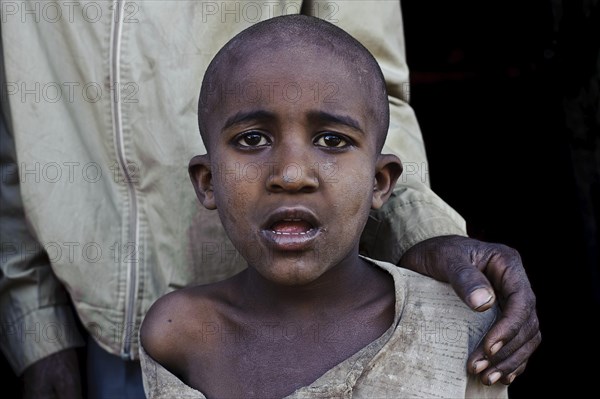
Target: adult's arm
x=36 y=320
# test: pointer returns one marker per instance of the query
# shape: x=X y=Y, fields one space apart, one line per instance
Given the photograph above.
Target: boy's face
x=294 y=165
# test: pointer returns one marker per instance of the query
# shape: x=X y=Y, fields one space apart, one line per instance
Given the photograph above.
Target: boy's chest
x=274 y=360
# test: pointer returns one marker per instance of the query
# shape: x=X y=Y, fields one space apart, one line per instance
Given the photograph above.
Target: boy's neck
x=334 y=289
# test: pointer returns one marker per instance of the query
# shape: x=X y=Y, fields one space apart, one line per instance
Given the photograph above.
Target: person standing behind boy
x=100 y=115
x=309 y=317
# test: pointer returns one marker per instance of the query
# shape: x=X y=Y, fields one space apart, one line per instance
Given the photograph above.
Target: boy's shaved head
x=296 y=34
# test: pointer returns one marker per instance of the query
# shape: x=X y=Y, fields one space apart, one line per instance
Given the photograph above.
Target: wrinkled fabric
x=95 y=192
x=422 y=355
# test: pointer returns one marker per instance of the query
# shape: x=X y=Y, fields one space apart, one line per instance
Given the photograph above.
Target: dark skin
x=308 y=272
x=62 y=368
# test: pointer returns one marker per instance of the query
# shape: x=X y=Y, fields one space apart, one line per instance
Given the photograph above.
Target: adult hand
x=473 y=267
x=55 y=376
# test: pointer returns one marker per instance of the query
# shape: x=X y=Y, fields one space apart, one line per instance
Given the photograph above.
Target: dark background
x=502 y=93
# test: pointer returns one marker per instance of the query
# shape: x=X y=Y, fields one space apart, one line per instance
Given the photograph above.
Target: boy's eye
x=331 y=140
x=253 y=139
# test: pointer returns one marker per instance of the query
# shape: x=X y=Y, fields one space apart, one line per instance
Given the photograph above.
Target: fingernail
x=495 y=376
x=496 y=347
x=511 y=378
x=480 y=365
x=479 y=298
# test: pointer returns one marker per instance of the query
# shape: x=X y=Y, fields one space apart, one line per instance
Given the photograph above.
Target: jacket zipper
x=133 y=228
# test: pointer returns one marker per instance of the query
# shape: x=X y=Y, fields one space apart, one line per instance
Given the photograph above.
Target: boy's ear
x=387 y=171
x=201 y=175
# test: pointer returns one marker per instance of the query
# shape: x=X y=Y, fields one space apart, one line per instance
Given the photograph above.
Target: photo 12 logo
x=271 y=91
x=69 y=172
x=256 y=11
x=252 y=172
x=70 y=92
x=54 y=12
x=63 y=253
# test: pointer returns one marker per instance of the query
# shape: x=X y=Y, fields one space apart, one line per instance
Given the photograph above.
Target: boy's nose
x=293 y=177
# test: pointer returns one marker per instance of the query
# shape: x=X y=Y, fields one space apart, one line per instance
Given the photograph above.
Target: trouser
x=110 y=377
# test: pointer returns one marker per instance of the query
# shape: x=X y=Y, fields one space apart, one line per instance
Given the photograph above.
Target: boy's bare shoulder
x=172 y=322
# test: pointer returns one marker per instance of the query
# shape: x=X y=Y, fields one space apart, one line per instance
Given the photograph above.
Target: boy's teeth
x=291 y=226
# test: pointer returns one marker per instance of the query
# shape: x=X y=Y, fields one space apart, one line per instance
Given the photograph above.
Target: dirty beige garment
x=423 y=354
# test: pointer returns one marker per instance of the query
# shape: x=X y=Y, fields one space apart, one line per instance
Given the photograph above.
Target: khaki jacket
x=101 y=123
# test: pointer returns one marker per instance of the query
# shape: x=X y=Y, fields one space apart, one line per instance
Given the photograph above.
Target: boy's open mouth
x=291 y=229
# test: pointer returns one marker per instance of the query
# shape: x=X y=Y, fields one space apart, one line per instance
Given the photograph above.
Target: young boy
x=294 y=113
